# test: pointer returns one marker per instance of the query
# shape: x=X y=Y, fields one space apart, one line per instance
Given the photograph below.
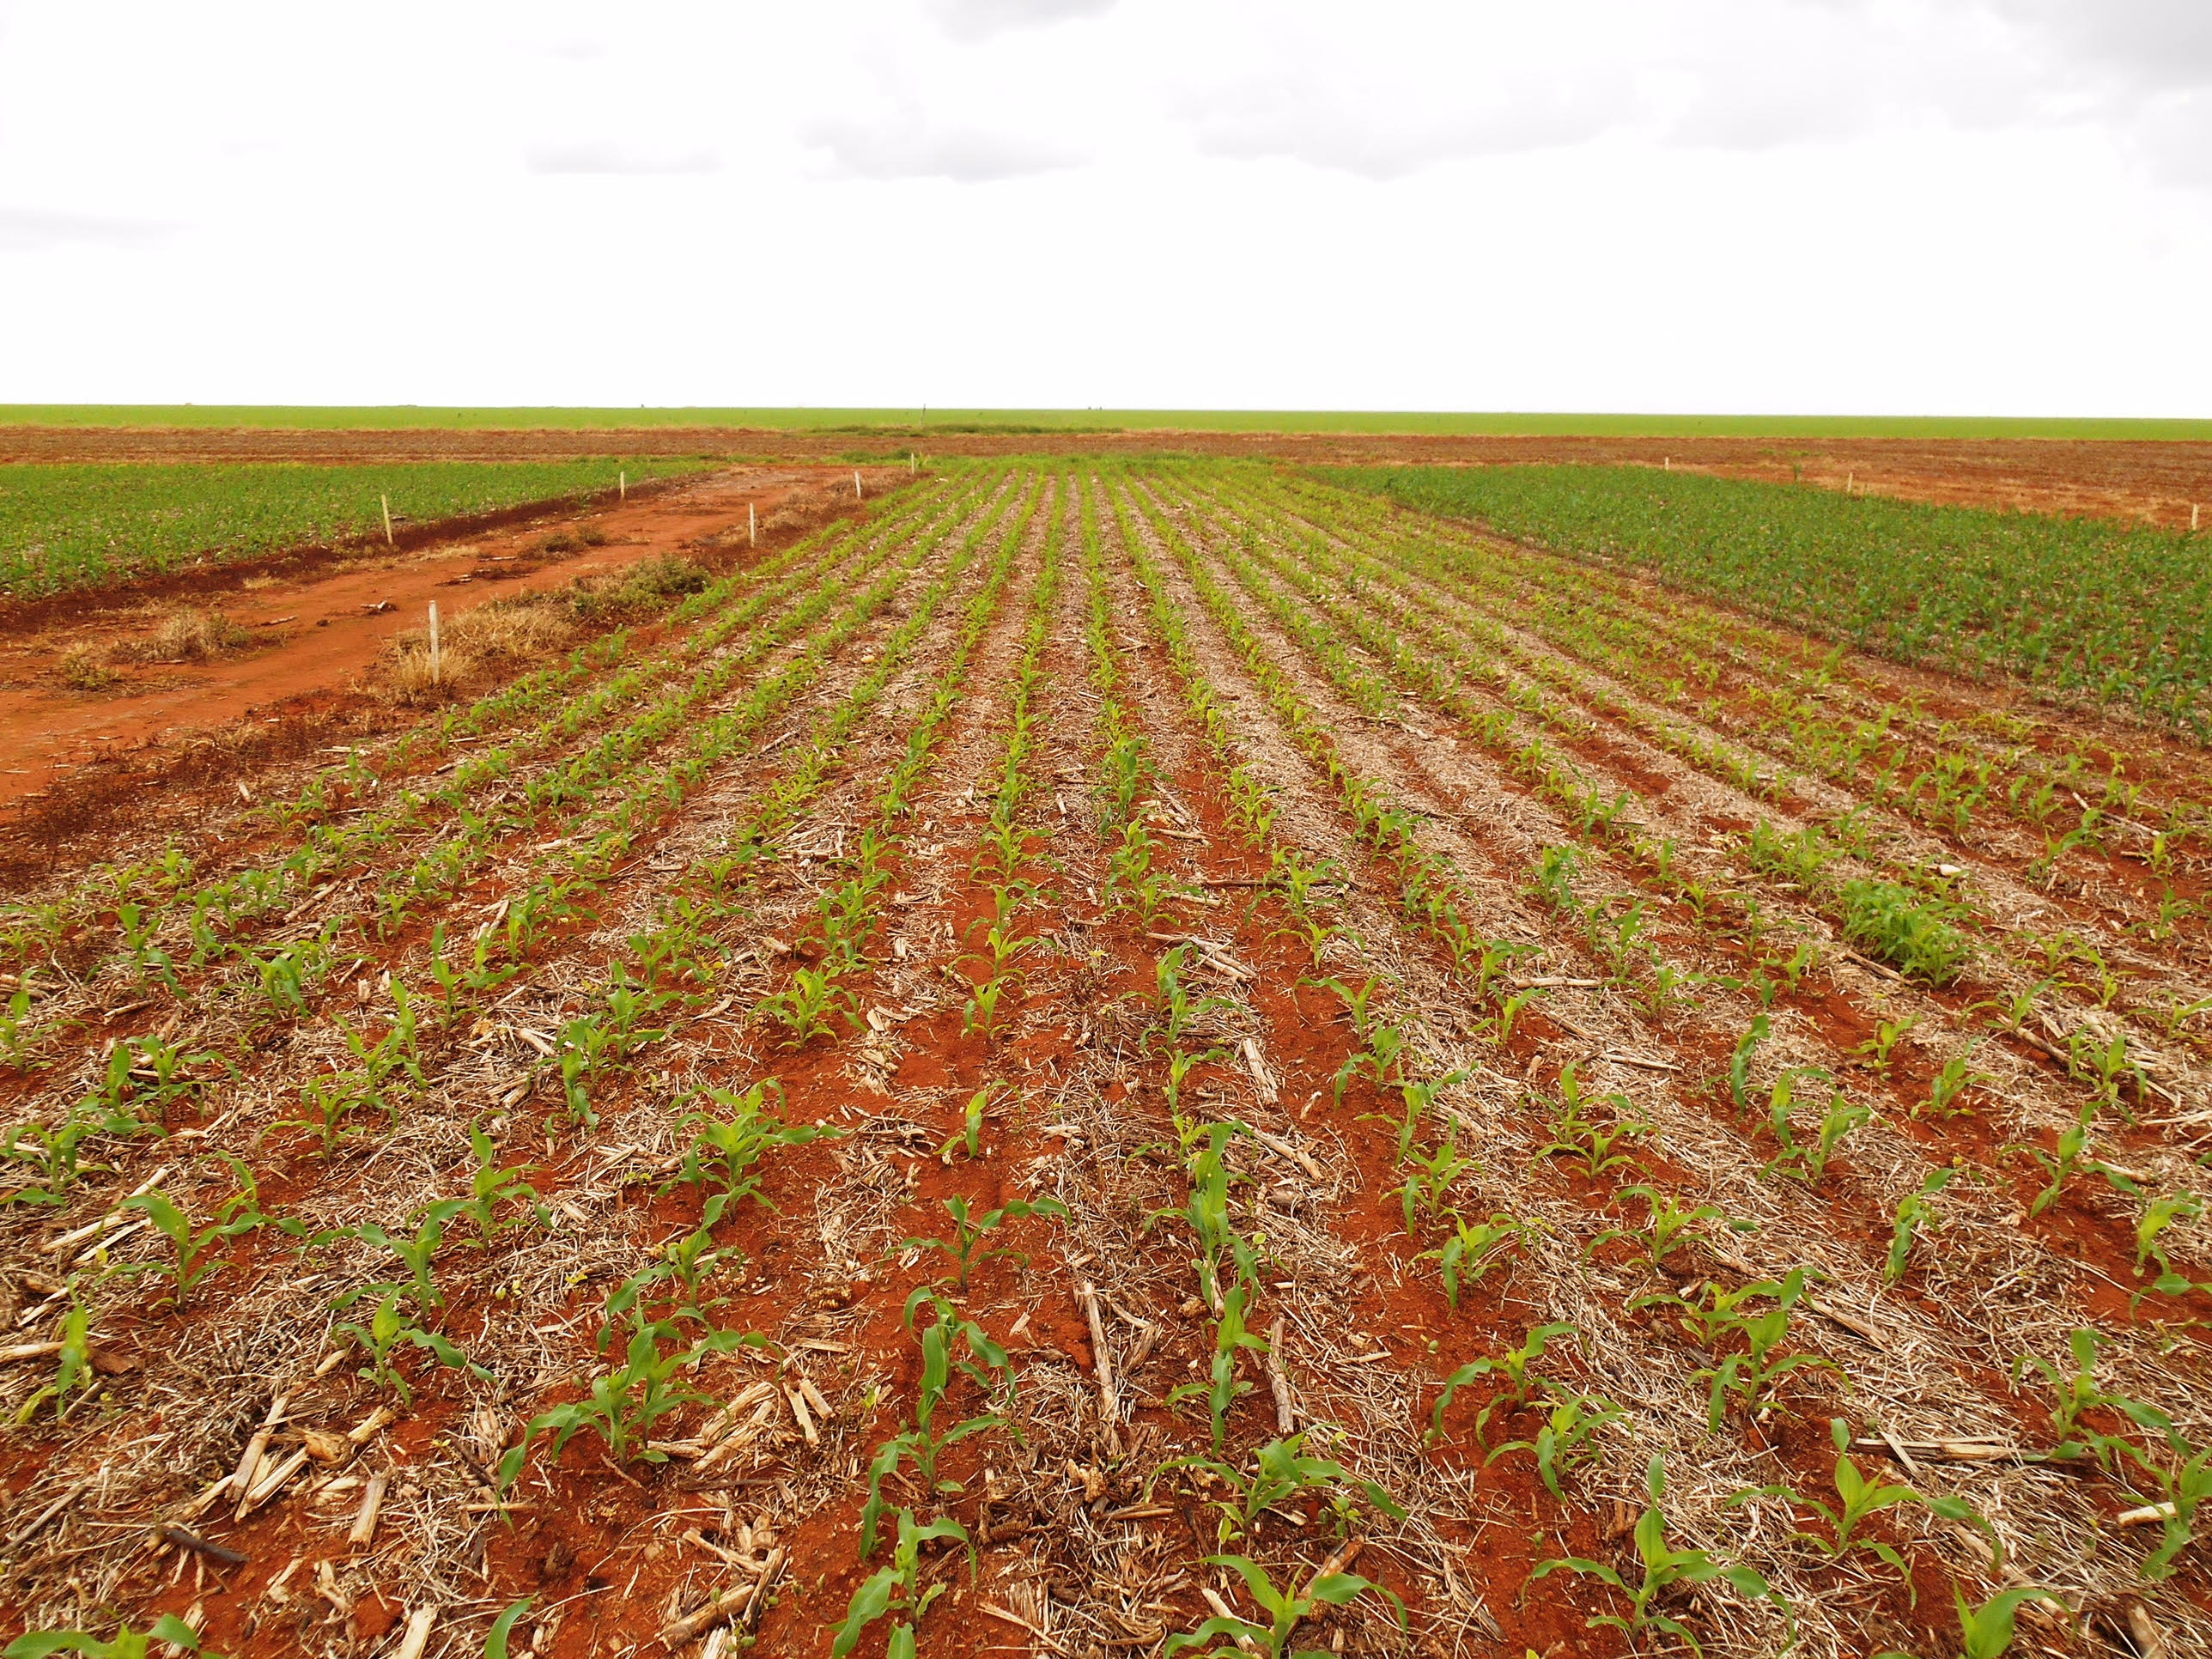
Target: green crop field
x=1417 y=422
x=1117 y=1016
x=76 y=526
x=2124 y=615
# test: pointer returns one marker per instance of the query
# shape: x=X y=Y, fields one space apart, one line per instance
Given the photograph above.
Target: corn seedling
x=1514 y=1367
x=1808 y=1162
x=2070 y=1158
x=727 y=1145
x=1429 y=1181
x=1665 y=1569
x=1281 y=1471
x=969 y=1231
x=2075 y=1392
x=1569 y=1435
x=985 y=1364
x=1916 y=1211
x=2159 y=1216
x=175 y=1635
x=1222 y=1388
x=1888 y=1034
x=199 y=1250
x=1667 y=1227
x=390 y=1326
x=491 y=1186
x=1476 y=1246
x=1912 y=934
x=627 y=1399
x=72 y=1366
x=896 y=1591
x=1576 y=1135
x=1285 y=1610
x=1858 y=1498
x=1718 y=1315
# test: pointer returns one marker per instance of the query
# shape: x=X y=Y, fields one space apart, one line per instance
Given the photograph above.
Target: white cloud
x=1938 y=205
x=908 y=146
x=618 y=156
x=23 y=229
x=979 y=19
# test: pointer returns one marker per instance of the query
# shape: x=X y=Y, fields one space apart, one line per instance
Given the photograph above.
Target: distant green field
x=1778 y=426
x=76 y=527
x=2079 y=604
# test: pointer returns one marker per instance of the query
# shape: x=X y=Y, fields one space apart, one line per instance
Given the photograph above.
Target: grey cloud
x=610 y=156
x=2147 y=43
x=908 y=149
x=978 y=20
x=26 y=229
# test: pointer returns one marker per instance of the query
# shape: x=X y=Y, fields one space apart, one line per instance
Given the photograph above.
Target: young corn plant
x=728 y=1144
x=1580 y=1137
x=627 y=1399
x=1858 y=1497
x=1286 y=1609
x=1281 y=1471
x=1476 y=1246
x=2072 y=1157
x=1665 y=1569
x=985 y=1364
x=896 y=1591
x=390 y=1326
x=2075 y=1392
x=1429 y=1180
x=1808 y=1161
x=1222 y=1388
x=969 y=1230
x=1916 y=1211
x=1668 y=1225
x=1568 y=1438
x=1514 y=1367
x=492 y=1186
x=199 y=1251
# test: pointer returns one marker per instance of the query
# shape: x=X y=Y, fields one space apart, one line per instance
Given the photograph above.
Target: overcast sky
x=1828 y=206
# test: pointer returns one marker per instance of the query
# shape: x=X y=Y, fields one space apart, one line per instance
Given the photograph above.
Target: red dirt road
x=330 y=621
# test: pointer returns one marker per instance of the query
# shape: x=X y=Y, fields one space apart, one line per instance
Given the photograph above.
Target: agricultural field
x=1136 y=1055
x=65 y=527
x=2075 y=604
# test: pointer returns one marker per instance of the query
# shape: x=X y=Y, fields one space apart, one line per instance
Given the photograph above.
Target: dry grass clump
x=497 y=637
x=84 y=668
x=190 y=634
x=568 y=541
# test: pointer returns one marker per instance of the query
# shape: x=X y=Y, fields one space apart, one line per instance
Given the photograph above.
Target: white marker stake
x=753 y=527
x=1848 y=479
x=621 y=485
x=1667 y=463
x=856 y=483
x=2192 y=515
x=386 y=502
x=436 y=662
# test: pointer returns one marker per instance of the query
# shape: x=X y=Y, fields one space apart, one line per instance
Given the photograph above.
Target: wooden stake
x=621 y=486
x=856 y=483
x=1667 y=463
x=2192 y=515
x=752 y=526
x=1849 y=481
x=386 y=502
x=436 y=662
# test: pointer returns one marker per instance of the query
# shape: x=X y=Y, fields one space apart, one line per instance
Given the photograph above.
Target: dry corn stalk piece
x=371 y=1504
